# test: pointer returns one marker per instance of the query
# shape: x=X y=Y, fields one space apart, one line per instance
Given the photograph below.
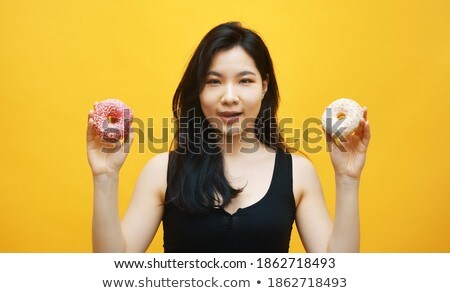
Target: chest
x=255 y=179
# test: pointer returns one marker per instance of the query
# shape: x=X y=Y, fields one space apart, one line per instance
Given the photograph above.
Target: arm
x=346 y=236
x=313 y=221
x=143 y=216
x=318 y=232
x=145 y=211
x=314 y=224
x=107 y=234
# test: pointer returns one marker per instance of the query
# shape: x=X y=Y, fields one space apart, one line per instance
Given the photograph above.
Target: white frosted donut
x=342 y=117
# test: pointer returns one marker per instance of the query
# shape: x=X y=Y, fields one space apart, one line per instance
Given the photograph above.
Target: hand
x=105 y=157
x=348 y=159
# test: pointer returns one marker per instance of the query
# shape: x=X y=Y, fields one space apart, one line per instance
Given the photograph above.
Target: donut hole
x=341 y=116
x=113 y=119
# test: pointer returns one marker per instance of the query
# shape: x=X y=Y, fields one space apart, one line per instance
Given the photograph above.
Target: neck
x=236 y=145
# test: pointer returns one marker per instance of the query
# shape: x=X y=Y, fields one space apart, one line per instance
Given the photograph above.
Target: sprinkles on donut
x=112 y=119
x=342 y=117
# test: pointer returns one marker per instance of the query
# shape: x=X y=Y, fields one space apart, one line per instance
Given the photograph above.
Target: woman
x=230 y=184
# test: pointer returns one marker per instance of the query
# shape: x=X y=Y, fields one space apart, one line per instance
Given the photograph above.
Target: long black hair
x=196 y=175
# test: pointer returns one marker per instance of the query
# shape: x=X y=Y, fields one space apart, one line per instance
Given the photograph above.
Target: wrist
x=106 y=177
x=347 y=180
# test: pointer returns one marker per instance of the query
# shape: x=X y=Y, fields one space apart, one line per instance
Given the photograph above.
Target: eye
x=213 y=81
x=246 y=80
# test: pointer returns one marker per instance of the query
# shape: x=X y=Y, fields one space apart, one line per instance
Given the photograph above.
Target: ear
x=265 y=84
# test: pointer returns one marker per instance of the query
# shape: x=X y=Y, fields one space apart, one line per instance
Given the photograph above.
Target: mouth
x=229 y=117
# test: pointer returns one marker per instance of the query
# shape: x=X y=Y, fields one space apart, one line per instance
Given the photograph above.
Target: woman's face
x=231 y=98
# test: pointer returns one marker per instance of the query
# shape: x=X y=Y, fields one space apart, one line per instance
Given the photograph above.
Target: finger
x=367 y=135
x=347 y=144
x=90 y=135
x=360 y=129
x=333 y=142
x=365 y=113
x=128 y=142
x=329 y=141
x=129 y=138
x=111 y=147
x=110 y=144
x=90 y=114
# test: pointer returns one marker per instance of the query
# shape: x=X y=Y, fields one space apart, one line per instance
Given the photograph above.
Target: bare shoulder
x=157 y=163
x=301 y=165
x=304 y=175
x=159 y=160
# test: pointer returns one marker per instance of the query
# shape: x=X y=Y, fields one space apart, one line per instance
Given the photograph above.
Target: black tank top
x=262 y=227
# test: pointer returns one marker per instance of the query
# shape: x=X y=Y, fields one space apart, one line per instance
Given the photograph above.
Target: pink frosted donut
x=342 y=117
x=112 y=119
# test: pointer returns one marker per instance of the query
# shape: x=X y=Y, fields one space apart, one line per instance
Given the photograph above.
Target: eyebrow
x=220 y=75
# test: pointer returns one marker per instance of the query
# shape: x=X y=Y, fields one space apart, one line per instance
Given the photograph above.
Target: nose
x=230 y=96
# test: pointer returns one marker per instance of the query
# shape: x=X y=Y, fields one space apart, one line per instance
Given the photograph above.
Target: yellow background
x=58 y=57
